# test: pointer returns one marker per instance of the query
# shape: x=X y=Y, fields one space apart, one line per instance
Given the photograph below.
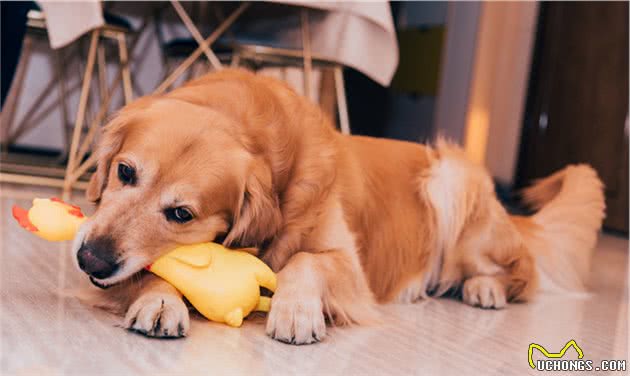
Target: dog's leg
x=482 y=252
x=513 y=279
x=484 y=291
x=496 y=266
x=312 y=284
x=158 y=310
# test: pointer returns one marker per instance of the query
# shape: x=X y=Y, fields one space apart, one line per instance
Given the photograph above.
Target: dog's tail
x=563 y=232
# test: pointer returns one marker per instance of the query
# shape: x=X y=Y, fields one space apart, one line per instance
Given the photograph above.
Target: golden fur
x=347 y=221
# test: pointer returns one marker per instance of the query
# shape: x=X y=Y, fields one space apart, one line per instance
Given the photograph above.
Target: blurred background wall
x=525 y=87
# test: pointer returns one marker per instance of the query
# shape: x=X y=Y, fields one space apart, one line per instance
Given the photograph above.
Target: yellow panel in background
x=476 y=140
x=419 y=66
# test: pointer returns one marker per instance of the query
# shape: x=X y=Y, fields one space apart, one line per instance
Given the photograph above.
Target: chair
x=176 y=49
x=255 y=53
x=38 y=170
x=78 y=160
x=257 y=57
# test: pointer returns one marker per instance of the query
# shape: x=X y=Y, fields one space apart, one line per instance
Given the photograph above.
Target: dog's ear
x=258 y=217
x=110 y=144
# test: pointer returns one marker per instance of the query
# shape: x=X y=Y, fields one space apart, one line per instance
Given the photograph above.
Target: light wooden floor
x=44 y=330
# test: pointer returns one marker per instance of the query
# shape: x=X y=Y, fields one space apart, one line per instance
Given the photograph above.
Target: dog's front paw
x=485 y=292
x=296 y=320
x=158 y=315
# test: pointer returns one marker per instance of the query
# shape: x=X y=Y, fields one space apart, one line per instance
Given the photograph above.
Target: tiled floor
x=45 y=330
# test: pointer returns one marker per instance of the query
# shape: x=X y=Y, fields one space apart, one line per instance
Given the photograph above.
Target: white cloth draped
x=360 y=35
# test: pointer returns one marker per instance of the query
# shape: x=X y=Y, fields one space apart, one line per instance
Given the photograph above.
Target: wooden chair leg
x=191 y=72
x=210 y=55
x=126 y=73
x=327 y=94
x=35 y=113
x=13 y=99
x=102 y=71
x=123 y=75
x=308 y=59
x=236 y=60
x=61 y=85
x=342 y=105
x=81 y=110
x=207 y=42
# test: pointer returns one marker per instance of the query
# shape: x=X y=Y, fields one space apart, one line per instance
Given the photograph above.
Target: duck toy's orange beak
x=21 y=216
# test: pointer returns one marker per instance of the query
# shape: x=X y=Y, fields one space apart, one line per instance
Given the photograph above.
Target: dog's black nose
x=96 y=258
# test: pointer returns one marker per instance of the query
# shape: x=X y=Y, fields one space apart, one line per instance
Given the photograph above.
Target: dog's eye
x=126 y=174
x=179 y=214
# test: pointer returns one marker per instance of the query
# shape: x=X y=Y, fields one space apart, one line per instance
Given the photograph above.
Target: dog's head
x=171 y=172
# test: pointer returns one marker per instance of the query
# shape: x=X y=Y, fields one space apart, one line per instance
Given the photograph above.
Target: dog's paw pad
x=485 y=292
x=157 y=315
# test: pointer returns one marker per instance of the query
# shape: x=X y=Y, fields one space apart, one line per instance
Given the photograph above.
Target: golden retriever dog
x=347 y=222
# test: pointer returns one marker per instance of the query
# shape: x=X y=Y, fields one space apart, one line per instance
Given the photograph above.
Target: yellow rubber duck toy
x=222 y=284
x=50 y=219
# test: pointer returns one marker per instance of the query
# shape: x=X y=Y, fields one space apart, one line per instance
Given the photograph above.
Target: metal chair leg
x=81 y=110
x=342 y=105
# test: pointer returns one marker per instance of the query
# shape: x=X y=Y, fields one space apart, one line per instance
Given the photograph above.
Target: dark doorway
x=578 y=98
